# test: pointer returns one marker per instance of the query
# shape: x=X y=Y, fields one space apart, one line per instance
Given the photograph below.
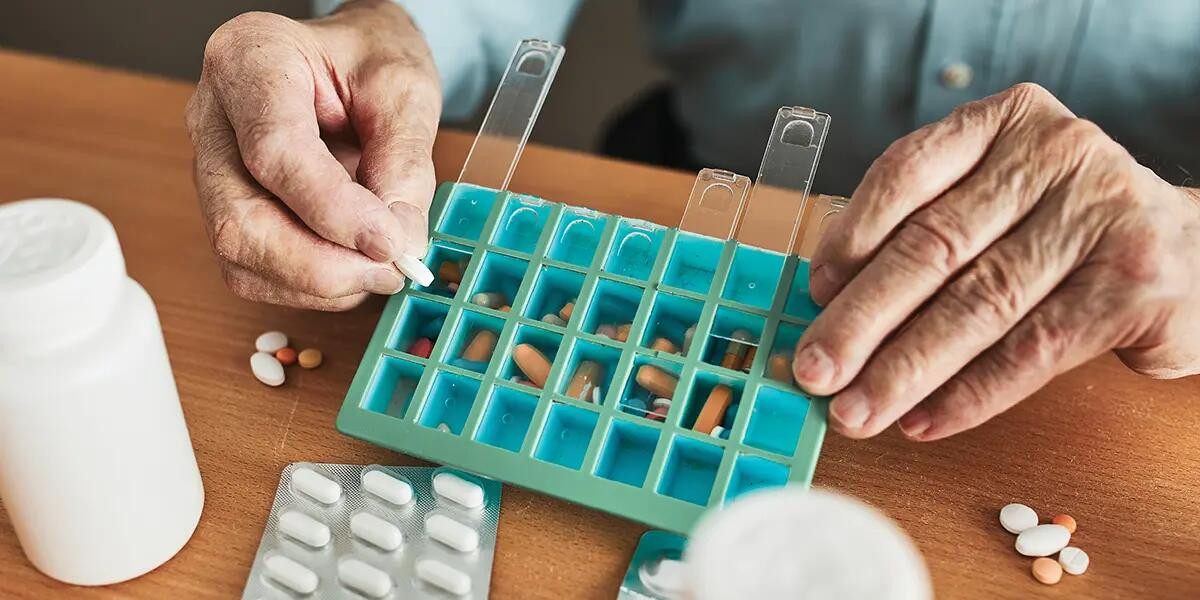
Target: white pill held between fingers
x=1042 y=540
x=271 y=341
x=452 y=533
x=388 y=488
x=266 y=368
x=458 y=490
x=414 y=269
x=363 y=578
x=304 y=528
x=1073 y=560
x=444 y=576
x=316 y=486
x=375 y=531
x=1016 y=518
x=291 y=574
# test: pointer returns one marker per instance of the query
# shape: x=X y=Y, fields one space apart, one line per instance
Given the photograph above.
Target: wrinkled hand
x=313 y=148
x=986 y=253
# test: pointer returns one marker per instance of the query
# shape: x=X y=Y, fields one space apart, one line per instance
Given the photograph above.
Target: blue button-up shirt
x=880 y=68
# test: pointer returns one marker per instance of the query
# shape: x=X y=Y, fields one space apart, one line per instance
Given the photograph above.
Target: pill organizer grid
x=603 y=454
x=295 y=542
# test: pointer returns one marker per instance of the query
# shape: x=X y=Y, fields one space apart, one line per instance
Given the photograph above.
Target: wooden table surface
x=1118 y=452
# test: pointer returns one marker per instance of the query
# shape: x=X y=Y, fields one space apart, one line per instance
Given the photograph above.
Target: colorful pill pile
x=1042 y=541
x=272 y=354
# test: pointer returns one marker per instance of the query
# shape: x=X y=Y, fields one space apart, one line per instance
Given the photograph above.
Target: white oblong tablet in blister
x=451 y=533
x=291 y=574
x=388 y=488
x=376 y=531
x=316 y=486
x=458 y=490
x=363 y=578
x=304 y=528
x=444 y=576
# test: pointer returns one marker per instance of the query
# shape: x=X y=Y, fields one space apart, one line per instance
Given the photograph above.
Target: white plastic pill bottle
x=802 y=544
x=97 y=471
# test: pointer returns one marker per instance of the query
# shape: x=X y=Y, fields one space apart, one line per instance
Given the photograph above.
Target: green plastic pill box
x=606 y=449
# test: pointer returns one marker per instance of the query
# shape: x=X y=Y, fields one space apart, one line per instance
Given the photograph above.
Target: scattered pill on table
x=316 y=486
x=291 y=574
x=310 y=358
x=376 y=531
x=1042 y=540
x=304 y=529
x=587 y=377
x=391 y=489
x=266 y=368
x=444 y=576
x=1016 y=518
x=489 y=299
x=480 y=348
x=713 y=412
x=271 y=341
x=451 y=533
x=1047 y=571
x=662 y=344
x=566 y=310
x=286 y=356
x=1066 y=521
x=658 y=381
x=422 y=347
x=553 y=319
x=364 y=578
x=467 y=494
x=532 y=363
x=1073 y=560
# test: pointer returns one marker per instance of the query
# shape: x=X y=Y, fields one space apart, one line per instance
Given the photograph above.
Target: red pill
x=286 y=356
x=423 y=347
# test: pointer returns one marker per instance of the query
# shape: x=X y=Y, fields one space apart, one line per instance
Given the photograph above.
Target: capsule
x=316 y=486
x=443 y=576
x=467 y=494
x=489 y=299
x=658 y=381
x=749 y=360
x=532 y=363
x=713 y=412
x=451 y=533
x=291 y=574
x=364 y=578
x=481 y=346
x=586 y=380
x=662 y=344
x=779 y=367
x=735 y=351
x=376 y=531
x=304 y=528
x=384 y=486
x=566 y=310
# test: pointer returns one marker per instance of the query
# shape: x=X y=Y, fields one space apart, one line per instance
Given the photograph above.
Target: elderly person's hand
x=988 y=252
x=313 y=149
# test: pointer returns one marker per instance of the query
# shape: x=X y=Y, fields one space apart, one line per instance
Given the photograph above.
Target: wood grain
x=1119 y=452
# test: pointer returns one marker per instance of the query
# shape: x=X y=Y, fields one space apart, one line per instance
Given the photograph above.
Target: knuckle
x=1040 y=345
x=920 y=245
x=987 y=293
x=1027 y=92
x=324 y=284
x=264 y=148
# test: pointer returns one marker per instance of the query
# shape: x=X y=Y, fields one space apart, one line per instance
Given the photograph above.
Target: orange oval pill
x=450 y=271
x=664 y=345
x=779 y=367
x=532 y=363
x=481 y=346
x=587 y=376
x=714 y=409
x=1047 y=570
x=286 y=356
x=623 y=332
x=1065 y=520
x=658 y=381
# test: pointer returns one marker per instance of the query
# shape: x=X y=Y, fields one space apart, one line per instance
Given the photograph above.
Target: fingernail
x=375 y=245
x=415 y=228
x=851 y=409
x=383 y=281
x=916 y=422
x=813 y=367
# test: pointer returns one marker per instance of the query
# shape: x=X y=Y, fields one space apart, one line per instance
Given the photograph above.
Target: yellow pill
x=310 y=358
x=658 y=381
x=1047 y=570
x=532 y=363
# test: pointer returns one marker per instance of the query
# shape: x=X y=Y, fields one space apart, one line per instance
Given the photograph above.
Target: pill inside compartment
x=671 y=328
x=392 y=386
x=711 y=404
x=566 y=434
x=634 y=248
x=733 y=341
x=419 y=326
x=776 y=420
x=752 y=473
x=473 y=341
x=693 y=262
x=753 y=276
x=466 y=212
x=649 y=388
x=449 y=262
x=783 y=351
x=799 y=301
x=449 y=402
x=690 y=470
x=521 y=223
x=555 y=295
x=577 y=236
x=507 y=417
x=589 y=371
x=612 y=309
x=499 y=281
x=534 y=350
x=627 y=452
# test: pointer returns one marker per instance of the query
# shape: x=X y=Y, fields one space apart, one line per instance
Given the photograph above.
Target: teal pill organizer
x=605 y=449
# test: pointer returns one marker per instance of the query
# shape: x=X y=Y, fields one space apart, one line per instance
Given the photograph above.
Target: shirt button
x=957 y=76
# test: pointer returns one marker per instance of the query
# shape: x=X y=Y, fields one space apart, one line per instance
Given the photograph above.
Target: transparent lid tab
x=716 y=203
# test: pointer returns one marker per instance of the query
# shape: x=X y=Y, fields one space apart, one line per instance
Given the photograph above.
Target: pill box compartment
x=799 y=302
x=449 y=401
x=467 y=212
x=522 y=223
x=627 y=452
x=726 y=325
x=783 y=352
x=553 y=289
x=442 y=251
x=549 y=343
x=634 y=248
x=419 y=318
x=670 y=318
x=566 y=435
x=576 y=236
x=637 y=400
x=701 y=386
x=753 y=277
x=776 y=420
x=507 y=417
x=613 y=303
x=393 y=386
x=755 y=472
x=691 y=470
x=499 y=274
x=693 y=262
x=471 y=323
x=607 y=357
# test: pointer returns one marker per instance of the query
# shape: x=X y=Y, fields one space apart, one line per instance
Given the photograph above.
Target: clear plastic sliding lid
x=715 y=204
x=510 y=118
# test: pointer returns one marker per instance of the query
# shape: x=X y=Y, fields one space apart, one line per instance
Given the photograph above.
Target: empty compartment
x=634 y=248
x=589 y=371
x=473 y=343
x=419 y=319
x=577 y=236
x=671 y=317
x=392 y=387
x=776 y=420
x=755 y=472
x=783 y=352
x=552 y=291
x=546 y=343
x=467 y=211
x=690 y=470
x=733 y=341
x=448 y=262
x=711 y=405
x=566 y=435
x=799 y=301
x=521 y=223
x=753 y=276
x=649 y=379
x=449 y=402
x=693 y=262
x=507 y=418
x=627 y=452
x=612 y=308
x=499 y=279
